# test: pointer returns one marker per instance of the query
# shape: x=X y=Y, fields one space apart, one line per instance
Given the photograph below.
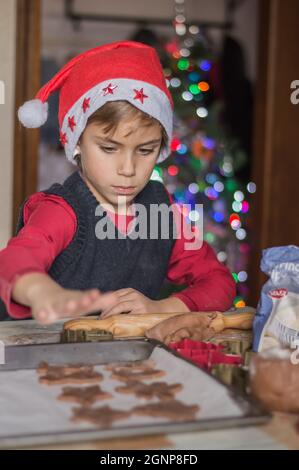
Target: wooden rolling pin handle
x=240 y=321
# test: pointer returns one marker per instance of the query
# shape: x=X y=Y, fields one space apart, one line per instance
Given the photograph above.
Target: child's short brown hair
x=113 y=112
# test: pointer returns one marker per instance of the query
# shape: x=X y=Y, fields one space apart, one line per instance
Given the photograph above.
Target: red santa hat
x=124 y=70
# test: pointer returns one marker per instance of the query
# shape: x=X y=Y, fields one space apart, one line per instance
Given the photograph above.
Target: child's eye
x=107 y=149
x=146 y=151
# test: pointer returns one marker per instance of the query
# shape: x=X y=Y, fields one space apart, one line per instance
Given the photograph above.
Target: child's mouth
x=124 y=189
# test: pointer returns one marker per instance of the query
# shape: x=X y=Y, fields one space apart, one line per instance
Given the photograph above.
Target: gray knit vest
x=110 y=264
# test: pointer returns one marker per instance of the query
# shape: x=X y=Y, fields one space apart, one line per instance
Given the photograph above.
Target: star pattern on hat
x=63 y=138
x=140 y=95
x=85 y=104
x=71 y=123
x=109 y=90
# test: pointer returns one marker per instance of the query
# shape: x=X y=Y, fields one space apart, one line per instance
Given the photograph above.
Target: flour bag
x=276 y=323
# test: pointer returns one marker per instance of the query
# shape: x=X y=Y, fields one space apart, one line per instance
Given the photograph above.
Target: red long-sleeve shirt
x=49 y=226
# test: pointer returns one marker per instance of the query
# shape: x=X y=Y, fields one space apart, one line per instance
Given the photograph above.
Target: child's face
x=118 y=167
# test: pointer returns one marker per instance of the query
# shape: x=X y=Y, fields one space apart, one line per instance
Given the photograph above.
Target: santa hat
x=124 y=70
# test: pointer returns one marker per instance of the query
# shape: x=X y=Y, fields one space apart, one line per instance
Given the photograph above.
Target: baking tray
x=22 y=360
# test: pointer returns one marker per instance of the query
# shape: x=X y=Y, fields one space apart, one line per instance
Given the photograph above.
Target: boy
x=115 y=116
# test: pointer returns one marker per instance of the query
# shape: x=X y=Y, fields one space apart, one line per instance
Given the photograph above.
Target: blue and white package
x=277 y=318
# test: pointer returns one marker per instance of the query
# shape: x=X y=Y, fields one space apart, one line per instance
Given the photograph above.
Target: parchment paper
x=28 y=407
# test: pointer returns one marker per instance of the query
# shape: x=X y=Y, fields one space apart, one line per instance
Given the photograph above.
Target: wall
x=7 y=111
x=60 y=39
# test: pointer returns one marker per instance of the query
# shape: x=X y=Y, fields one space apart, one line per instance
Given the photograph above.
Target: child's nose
x=126 y=166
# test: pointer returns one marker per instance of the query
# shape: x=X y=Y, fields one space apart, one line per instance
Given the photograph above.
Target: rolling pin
x=128 y=325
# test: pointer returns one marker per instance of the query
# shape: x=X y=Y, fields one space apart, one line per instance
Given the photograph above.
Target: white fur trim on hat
x=33 y=113
x=155 y=104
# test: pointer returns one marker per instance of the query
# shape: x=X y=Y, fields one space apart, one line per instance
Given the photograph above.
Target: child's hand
x=132 y=301
x=60 y=303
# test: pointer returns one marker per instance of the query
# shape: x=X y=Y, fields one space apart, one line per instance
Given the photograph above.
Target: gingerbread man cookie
x=160 y=390
x=172 y=409
x=83 y=395
x=102 y=416
x=45 y=368
x=66 y=376
x=132 y=375
x=129 y=366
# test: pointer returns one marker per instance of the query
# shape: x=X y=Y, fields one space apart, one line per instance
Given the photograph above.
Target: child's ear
x=77 y=151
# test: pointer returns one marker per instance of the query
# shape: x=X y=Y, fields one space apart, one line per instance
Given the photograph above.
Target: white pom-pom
x=33 y=113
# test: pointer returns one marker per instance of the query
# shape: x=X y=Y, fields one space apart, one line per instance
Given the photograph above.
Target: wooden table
x=280 y=433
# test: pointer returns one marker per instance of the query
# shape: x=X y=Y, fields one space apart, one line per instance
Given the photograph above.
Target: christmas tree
x=206 y=159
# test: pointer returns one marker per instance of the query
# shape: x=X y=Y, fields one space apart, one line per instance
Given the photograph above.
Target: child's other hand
x=132 y=301
x=61 y=303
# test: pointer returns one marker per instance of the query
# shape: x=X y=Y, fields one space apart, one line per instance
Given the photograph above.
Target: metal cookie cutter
x=83 y=336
